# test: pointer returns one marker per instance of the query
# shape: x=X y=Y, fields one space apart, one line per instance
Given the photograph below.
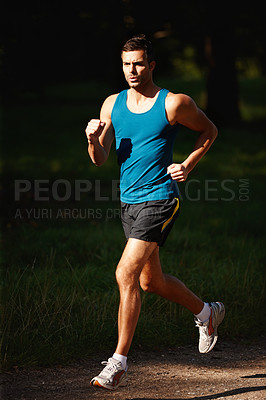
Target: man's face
x=136 y=68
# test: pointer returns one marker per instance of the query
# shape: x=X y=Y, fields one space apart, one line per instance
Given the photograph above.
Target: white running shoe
x=111 y=376
x=208 y=330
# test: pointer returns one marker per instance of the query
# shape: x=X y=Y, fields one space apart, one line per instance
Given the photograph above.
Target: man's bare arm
x=183 y=110
x=100 y=133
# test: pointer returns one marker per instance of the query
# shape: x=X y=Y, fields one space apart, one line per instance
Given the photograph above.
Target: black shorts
x=150 y=221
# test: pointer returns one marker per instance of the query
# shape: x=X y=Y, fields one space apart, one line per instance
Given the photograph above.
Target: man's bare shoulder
x=109 y=102
x=178 y=99
x=176 y=103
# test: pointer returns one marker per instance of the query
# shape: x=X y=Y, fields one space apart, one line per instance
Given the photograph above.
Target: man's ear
x=152 y=65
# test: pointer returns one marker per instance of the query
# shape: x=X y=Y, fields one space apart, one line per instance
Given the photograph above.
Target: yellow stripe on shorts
x=170 y=219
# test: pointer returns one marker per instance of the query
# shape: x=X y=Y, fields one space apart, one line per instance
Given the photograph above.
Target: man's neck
x=146 y=91
x=140 y=101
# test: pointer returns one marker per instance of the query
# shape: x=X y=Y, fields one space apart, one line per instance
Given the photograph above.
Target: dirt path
x=233 y=371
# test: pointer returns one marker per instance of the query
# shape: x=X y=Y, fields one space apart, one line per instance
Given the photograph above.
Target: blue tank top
x=144 y=146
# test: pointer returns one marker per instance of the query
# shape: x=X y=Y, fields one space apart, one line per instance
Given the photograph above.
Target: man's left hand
x=178 y=172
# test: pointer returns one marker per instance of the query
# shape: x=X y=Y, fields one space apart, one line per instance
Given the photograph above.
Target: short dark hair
x=140 y=42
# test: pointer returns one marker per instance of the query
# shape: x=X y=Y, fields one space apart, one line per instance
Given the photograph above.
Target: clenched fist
x=178 y=172
x=94 y=130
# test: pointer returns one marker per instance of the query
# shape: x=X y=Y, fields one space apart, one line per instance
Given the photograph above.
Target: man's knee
x=126 y=275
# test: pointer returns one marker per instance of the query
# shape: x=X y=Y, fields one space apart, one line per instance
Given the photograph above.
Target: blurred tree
x=46 y=43
x=220 y=50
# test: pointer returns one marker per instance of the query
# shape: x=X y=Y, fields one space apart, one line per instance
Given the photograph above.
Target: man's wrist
x=185 y=165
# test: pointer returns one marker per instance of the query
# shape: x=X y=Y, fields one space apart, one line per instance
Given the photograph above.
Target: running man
x=143 y=122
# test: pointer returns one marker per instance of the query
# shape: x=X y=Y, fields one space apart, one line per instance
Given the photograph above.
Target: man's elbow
x=98 y=164
x=98 y=159
x=214 y=132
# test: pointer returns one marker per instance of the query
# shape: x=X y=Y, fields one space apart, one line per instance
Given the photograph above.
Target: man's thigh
x=135 y=255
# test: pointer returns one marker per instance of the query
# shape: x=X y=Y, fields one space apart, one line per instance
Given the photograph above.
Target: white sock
x=122 y=359
x=205 y=313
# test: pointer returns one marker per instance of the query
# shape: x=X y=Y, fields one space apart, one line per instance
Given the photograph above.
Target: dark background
x=54 y=42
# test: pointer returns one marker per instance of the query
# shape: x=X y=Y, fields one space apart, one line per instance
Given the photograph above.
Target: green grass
x=59 y=296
